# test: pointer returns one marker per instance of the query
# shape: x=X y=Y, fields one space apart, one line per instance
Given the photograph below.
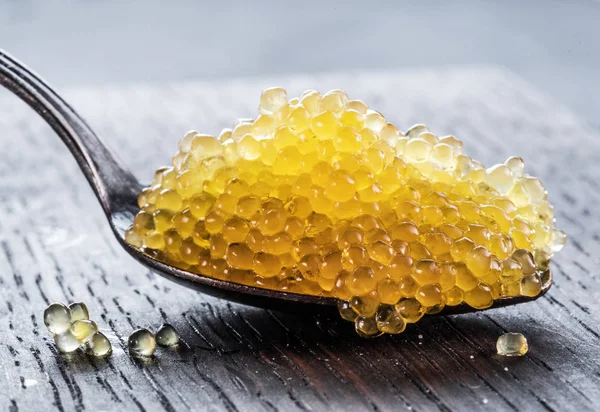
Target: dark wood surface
x=55 y=245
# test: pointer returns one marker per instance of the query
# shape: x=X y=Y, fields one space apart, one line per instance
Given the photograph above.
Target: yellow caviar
x=321 y=195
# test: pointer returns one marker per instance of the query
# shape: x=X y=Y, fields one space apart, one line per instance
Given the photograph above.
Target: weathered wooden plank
x=55 y=246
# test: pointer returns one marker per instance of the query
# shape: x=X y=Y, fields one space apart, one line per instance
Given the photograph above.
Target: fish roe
x=72 y=328
x=66 y=342
x=83 y=330
x=166 y=335
x=57 y=318
x=99 y=346
x=141 y=343
x=512 y=344
x=322 y=195
x=79 y=311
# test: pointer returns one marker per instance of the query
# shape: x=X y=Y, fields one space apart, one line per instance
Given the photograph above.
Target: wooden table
x=55 y=245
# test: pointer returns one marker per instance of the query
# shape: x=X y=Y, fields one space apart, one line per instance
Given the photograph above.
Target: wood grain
x=55 y=245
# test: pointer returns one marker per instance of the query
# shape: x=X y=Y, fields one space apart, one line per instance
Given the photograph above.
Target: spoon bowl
x=117 y=189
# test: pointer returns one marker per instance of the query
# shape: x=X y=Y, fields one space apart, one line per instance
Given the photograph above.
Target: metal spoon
x=117 y=190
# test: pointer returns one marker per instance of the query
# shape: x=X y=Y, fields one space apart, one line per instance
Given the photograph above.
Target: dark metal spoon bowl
x=117 y=190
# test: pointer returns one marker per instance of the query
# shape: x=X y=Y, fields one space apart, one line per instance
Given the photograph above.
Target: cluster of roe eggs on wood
x=320 y=195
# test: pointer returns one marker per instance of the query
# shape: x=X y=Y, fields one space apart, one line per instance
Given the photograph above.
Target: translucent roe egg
x=66 y=342
x=99 y=345
x=141 y=343
x=512 y=344
x=57 y=318
x=167 y=335
x=83 y=330
x=79 y=311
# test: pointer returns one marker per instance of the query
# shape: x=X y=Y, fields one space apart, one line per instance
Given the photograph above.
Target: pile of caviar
x=320 y=195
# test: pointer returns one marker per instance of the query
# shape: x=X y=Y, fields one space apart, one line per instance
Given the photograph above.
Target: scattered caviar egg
x=321 y=195
x=167 y=335
x=79 y=311
x=512 y=344
x=98 y=345
x=141 y=343
x=66 y=342
x=57 y=318
x=83 y=330
x=72 y=328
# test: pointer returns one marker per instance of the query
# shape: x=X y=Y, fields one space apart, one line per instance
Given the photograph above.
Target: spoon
x=117 y=189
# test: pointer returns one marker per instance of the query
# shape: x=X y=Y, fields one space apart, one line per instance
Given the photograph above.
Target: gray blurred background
x=555 y=45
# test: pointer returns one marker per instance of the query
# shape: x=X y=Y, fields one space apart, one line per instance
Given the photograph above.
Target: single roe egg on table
x=512 y=344
x=167 y=335
x=141 y=343
x=322 y=195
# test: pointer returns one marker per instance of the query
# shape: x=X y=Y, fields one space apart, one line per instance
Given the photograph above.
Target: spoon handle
x=114 y=185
